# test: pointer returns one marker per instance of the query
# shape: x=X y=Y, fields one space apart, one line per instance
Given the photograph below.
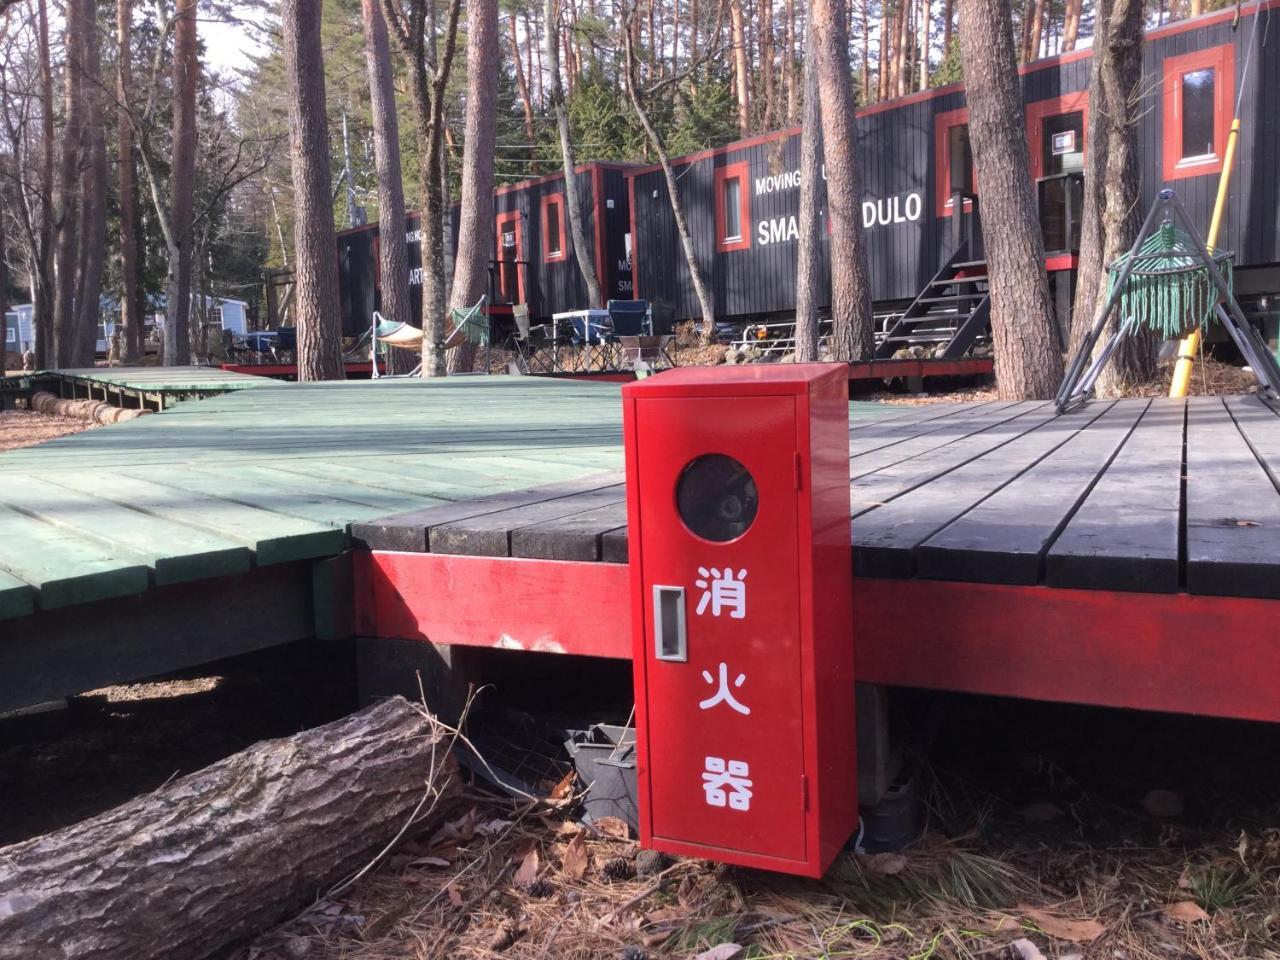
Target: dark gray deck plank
x=885 y=539
x=949 y=430
x=408 y=532
x=1004 y=539
x=575 y=536
x=881 y=436
x=876 y=489
x=490 y=535
x=1233 y=510
x=1125 y=536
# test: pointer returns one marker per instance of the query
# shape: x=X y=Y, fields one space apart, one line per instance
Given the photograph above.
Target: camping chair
x=629 y=319
x=528 y=340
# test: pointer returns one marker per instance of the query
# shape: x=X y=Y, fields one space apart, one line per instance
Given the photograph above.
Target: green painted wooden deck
x=163 y=379
x=276 y=474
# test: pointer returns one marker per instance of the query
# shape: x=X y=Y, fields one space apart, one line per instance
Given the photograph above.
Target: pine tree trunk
x=925 y=12
x=852 y=331
x=393 y=251
x=93 y=197
x=522 y=83
x=808 y=253
x=767 y=70
x=182 y=184
x=226 y=852
x=867 y=94
x=948 y=21
x=1112 y=216
x=67 y=217
x=130 y=316
x=1027 y=355
x=1071 y=25
x=1037 y=30
x=789 y=64
x=475 y=228
x=43 y=295
x=577 y=227
x=314 y=241
x=741 y=70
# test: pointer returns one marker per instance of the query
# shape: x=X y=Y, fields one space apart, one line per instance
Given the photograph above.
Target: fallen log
x=228 y=851
x=99 y=411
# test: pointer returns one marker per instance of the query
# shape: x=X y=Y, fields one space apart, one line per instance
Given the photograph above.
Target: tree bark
x=42 y=294
x=1037 y=31
x=852 y=331
x=1027 y=356
x=1112 y=217
x=393 y=250
x=925 y=12
x=1071 y=25
x=522 y=82
x=741 y=68
x=577 y=227
x=475 y=227
x=93 y=197
x=808 y=259
x=130 y=308
x=768 y=116
x=182 y=185
x=314 y=239
x=67 y=218
x=223 y=853
x=789 y=63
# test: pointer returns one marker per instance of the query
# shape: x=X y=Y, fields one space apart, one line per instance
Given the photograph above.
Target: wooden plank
x=62 y=567
x=16 y=597
x=574 y=536
x=1126 y=534
x=885 y=540
x=408 y=531
x=273 y=538
x=1233 y=510
x=489 y=535
x=864 y=443
x=1004 y=539
x=946 y=431
x=174 y=552
x=876 y=489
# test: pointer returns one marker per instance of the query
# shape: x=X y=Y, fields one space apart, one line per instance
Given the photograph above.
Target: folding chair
x=629 y=320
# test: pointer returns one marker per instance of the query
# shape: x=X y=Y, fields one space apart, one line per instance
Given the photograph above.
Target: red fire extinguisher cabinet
x=738 y=510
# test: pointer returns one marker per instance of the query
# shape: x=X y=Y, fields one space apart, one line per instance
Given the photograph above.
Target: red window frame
x=733 y=171
x=1222 y=60
x=942 y=124
x=1054 y=107
x=500 y=221
x=549 y=256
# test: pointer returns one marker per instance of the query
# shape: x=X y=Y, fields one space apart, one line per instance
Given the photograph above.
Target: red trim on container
x=942 y=125
x=732 y=171
x=1061 y=261
x=1053 y=107
x=548 y=255
x=580 y=168
x=1222 y=60
x=500 y=221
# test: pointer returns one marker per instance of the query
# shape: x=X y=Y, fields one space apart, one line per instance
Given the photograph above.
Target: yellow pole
x=1190 y=345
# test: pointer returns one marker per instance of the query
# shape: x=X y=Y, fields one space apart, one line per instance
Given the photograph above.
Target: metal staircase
x=954 y=309
x=951 y=313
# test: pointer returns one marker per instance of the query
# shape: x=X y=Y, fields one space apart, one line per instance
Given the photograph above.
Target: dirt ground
x=1052 y=833
x=25 y=428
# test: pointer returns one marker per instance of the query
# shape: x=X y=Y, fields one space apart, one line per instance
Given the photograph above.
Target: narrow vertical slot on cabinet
x=668 y=624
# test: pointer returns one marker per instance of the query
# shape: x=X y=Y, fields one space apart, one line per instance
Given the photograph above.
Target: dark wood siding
x=896 y=158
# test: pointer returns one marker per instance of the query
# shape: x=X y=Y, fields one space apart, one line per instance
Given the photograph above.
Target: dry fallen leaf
x=455 y=895
x=428 y=862
x=886 y=864
x=1027 y=950
x=1185 y=911
x=723 y=951
x=564 y=789
x=612 y=827
x=1060 y=928
x=574 y=860
x=527 y=872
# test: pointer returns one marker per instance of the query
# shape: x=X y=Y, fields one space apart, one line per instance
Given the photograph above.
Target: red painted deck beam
x=1212 y=656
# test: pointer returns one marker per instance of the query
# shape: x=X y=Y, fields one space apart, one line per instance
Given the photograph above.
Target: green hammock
x=1169 y=290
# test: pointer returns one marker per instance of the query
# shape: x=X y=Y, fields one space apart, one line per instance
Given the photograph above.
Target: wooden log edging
x=97 y=411
x=228 y=851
